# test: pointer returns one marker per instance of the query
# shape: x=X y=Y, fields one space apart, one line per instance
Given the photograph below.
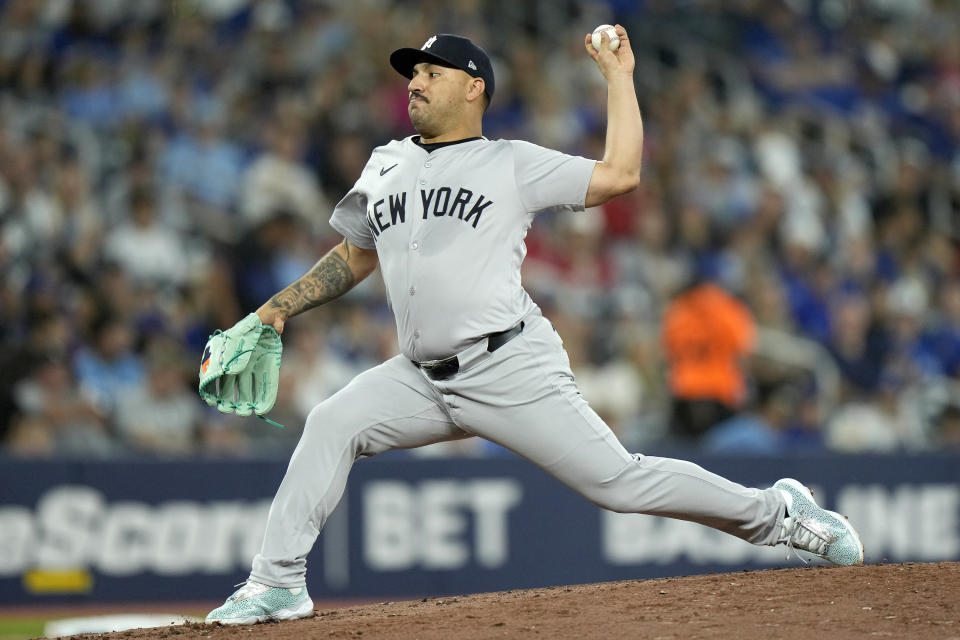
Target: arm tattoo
x=330 y=278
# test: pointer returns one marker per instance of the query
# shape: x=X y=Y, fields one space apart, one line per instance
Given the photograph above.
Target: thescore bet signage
x=150 y=531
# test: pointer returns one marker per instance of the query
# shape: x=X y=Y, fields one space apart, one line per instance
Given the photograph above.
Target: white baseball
x=611 y=33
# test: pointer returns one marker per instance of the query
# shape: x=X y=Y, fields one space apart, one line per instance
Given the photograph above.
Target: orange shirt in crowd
x=706 y=333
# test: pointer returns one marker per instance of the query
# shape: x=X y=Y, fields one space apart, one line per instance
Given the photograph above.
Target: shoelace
x=249 y=589
x=808 y=535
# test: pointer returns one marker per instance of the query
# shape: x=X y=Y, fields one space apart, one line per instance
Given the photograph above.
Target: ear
x=475 y=89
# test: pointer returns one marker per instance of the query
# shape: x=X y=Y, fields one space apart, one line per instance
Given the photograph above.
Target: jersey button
x=422 y=181
x=426 y=164
x=416 y=335
x=414 y=245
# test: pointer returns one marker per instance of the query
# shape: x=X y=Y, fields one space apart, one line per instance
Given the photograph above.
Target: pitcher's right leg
x=387 y=407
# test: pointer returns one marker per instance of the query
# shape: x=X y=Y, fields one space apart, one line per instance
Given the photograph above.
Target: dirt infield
x=893 y=601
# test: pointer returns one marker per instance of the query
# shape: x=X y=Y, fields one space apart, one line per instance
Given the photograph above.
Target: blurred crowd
x=787 y=277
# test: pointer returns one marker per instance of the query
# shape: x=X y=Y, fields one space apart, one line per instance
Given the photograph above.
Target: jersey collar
x=433 y=146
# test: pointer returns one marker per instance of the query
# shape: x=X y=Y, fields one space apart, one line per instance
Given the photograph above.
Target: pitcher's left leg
x=525 y=398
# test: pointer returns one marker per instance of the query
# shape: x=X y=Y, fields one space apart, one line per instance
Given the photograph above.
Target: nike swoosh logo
x=383 y=172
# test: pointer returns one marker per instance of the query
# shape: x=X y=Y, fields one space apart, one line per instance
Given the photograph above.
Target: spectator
x=47 y=337
x=948 y=429
x=758 y=431
x=54 y=417
x=653 y=261
x=108 y=368
x=277 y=180
x=318 y=369
x=707 y=333
x=943 y=338
x=160 y=415
x=151 y=253
x=857 y=344
x=79 y=226
x=28 y=214
x=270 y=255
x=862 y=427
x=206 y=169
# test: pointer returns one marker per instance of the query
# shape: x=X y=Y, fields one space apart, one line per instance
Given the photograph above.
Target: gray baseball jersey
x=448 y=227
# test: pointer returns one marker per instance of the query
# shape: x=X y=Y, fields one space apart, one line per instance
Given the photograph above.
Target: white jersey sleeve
x=350 y=219
x=547 y=178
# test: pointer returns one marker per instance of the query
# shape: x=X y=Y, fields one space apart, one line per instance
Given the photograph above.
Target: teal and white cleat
x=809 y=527
x=255 y=602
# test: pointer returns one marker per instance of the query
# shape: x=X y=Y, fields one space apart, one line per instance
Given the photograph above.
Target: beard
x=431 y=117
x=422 y=121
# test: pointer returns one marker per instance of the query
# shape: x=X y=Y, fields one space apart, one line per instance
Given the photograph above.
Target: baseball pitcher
x=444 y=214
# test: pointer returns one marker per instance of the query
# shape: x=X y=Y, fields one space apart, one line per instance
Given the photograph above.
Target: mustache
x=417 y=94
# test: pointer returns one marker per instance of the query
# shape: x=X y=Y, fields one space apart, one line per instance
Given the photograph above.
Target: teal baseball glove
x=240 y=369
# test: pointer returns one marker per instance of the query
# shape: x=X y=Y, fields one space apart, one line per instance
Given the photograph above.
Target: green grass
x=21 y=628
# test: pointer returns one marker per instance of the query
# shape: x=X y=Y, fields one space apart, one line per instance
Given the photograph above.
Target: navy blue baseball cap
x=447 y=50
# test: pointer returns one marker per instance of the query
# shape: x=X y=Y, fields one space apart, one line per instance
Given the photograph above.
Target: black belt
x=443 y=369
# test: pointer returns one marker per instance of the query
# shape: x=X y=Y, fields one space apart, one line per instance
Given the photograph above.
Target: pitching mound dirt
x=894 y=601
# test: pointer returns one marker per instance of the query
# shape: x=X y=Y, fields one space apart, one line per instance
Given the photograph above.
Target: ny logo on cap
x=471 y=65
x=429 y=43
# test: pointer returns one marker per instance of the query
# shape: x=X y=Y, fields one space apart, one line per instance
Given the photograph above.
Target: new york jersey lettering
x=477 y=209
x=442 y=201
x=398 y=213
x=437 y=202
x=398 y=208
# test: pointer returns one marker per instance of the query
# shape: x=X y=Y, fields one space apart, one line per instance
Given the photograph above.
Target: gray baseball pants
x=522 y=397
